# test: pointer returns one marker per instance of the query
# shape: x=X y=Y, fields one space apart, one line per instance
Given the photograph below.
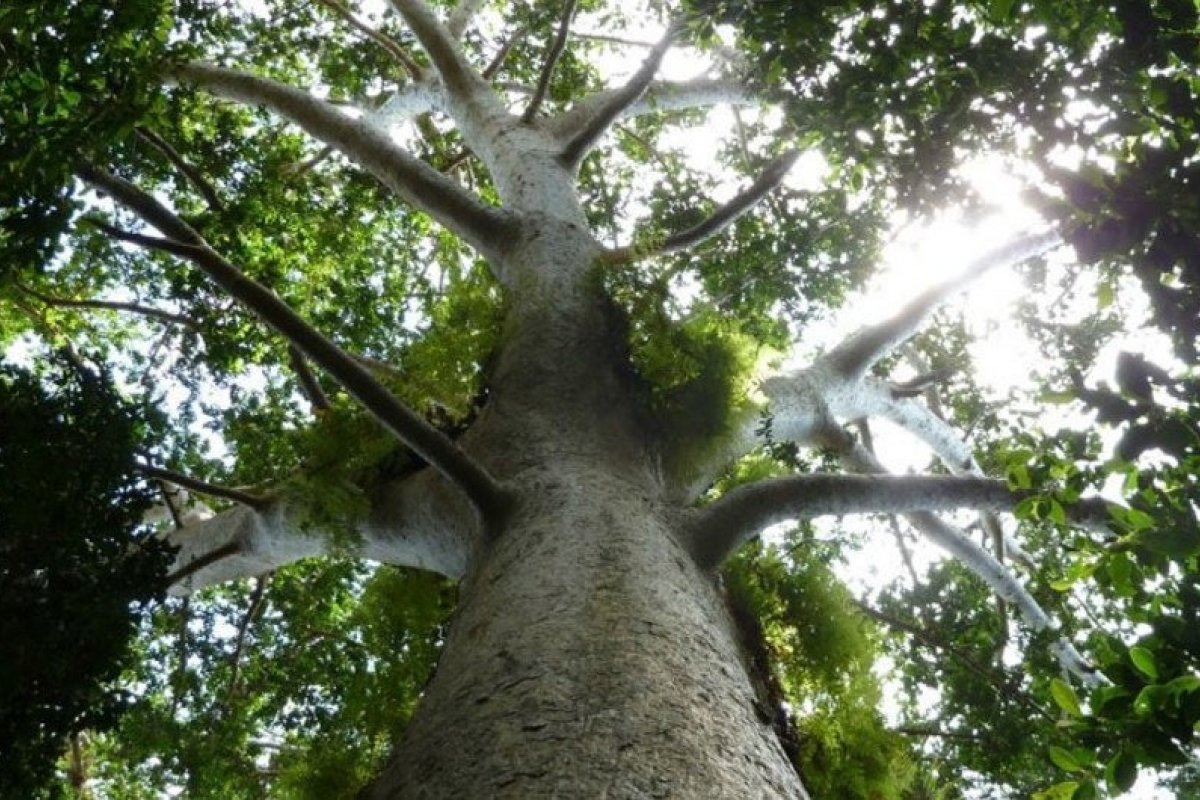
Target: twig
x=254 y=501
x=211 y=557
x=257 y=603
x=193 y=175
x=934 y=643
x=556 y=51
x=393 y=48
x=497 y=63
x=720 y=219
x=308 y=381
x=112 y=305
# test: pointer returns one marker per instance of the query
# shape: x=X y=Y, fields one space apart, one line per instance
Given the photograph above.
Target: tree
x=393 y=277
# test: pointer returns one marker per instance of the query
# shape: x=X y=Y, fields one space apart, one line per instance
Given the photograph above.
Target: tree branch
x=614 y=104
x=556 y=51
x=720 y=219
x=425 y=440
x=308 y=381
x=497 y=63
x=659 y=96
x=985 y=566
x=193 y=175
x=257 y=502
x=482 y=226
x=721 y=528
x=112 y=305
x=862 y=349
x=456 y=73
x=461 y=17
x=393 y=48
x=253 y=610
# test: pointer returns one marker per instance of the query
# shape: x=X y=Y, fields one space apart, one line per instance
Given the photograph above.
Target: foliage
x=312 y=672
x=74 y=573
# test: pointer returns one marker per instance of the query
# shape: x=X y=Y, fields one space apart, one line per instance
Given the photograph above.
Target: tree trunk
x=589 y=658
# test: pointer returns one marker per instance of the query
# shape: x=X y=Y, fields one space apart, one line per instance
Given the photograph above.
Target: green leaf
x=1143 y=659
x=1065 y=697
x=1059 y=791
x=1063 y=759
x=1121 y=771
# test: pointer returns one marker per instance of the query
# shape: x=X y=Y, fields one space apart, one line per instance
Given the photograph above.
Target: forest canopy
x=179 y=250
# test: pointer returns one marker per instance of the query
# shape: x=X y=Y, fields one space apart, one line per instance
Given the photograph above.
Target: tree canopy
x=203 y=302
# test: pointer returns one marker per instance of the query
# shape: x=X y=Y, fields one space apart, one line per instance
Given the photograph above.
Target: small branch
x=724 y=526
x=193 y=175
x=910 y=730
x=211 y=557
x=497 y=63
x=613 y=105
x=862 y=349
x=393 y=48
x=412 y=430
x=720 y=219
x=112 y=305
x=254 y=501
x=257 y=603
x=660 y=96
x=556 y=50
x=308 y=381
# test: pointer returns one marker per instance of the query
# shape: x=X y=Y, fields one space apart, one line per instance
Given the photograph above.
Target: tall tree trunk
x=589 y=658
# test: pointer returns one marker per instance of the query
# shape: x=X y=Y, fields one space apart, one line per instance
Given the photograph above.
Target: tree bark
x=590 y=657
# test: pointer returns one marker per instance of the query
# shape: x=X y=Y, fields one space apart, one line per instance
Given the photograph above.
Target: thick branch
x=861 y=350
x=482 y=226
x=614 y=104
x=743 y=513
x=419 y=521
x=428 y=442
x=113 y=305
x=193 y=175
x=720 y=219
x=389 y=44
x=556 y=51
x=254 y=501
x=456 y=73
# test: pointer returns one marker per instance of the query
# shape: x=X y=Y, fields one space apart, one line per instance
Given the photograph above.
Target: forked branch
x=456 y=73
x=425 y=440
x=582 y=140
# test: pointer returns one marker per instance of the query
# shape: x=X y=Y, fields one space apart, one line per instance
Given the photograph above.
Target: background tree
x=439 y=288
